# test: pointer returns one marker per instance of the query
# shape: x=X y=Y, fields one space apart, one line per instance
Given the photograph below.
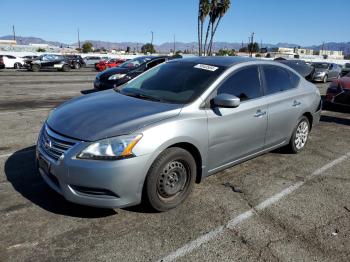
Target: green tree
x=41 y=50
x=221 y=9
x=243 y=49
x=87 y=47
x=148 y=48
x=203 y=11
x=253 y=47
x=226 y=52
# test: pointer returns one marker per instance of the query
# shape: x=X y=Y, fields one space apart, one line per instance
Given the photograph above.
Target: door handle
x=296 y=103
x=260 y=113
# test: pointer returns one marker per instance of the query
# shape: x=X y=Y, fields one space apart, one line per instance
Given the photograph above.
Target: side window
x=154 y=63
x=278 y=79
x=244 y=84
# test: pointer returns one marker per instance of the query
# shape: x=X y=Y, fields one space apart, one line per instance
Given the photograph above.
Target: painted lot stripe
x=189 y=247
x=43 y=95
x=25 y=110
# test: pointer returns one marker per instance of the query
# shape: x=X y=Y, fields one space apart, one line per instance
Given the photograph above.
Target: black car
x=57 y=62
x=128 y=70
x=2 y=64
x=300 y=66
x=345 y=70
x=76 y=61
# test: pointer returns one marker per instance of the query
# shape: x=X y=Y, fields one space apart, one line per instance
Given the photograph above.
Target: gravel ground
x=276 y=207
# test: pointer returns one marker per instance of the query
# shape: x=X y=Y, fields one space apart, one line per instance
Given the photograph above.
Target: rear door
x=237 y=132
x=284 y=103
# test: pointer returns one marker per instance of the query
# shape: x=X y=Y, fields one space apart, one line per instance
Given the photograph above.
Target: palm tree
x=203 y=11
x=212 y=18
x=221 y=9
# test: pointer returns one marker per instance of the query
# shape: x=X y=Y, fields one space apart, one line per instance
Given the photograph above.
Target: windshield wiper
x=143 y=96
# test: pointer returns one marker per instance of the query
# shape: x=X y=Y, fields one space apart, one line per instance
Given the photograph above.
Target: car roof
x=225 y=61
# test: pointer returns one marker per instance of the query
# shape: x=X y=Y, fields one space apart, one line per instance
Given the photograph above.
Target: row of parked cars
x=60 y=62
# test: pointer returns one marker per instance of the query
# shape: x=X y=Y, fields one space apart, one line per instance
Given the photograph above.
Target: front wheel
x=17 y=65
x=170 y=179
x=65 y=68
x=300 y=136
x=325 y=79
x=77 y=66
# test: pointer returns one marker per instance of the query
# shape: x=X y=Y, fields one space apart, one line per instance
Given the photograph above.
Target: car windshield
x=347 y=65
x=136 y=62
x=321 y=65
x=174 y=82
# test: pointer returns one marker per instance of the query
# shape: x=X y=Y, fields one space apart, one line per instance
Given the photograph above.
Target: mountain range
x=166 y=47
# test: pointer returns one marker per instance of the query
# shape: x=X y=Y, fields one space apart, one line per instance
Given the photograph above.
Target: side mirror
x=226 y=100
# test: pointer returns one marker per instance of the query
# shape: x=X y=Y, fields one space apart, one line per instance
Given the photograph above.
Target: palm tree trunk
x=206 y=38
x=212 y=36
x=199 y=38
x=202 y=23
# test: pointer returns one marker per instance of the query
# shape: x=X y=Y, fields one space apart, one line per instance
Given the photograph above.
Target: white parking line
x=25 y=110
x=189 y=247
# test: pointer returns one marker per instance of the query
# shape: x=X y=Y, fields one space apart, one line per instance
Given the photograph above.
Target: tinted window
x=279 y=79
x=177 y=82
x=244 y=84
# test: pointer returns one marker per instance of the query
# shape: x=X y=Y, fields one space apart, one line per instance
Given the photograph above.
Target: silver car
x=154 y=137
x=325 y=72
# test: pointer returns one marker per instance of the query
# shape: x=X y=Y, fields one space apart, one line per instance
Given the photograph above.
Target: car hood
x=106 y=114
x=116 y=70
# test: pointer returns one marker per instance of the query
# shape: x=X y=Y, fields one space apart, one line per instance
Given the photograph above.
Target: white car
x=11 y=61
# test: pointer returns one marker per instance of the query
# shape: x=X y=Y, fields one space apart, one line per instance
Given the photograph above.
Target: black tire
x=35 y=68
x=65 y=68
x=170 y=179
x=325 y=79
x=77 y=66
x=17 y=66
x=293 y=146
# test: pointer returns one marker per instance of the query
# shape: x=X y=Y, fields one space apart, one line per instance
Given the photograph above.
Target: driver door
x=235 y=133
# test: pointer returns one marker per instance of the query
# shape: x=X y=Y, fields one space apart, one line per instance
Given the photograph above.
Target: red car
x=338 y=91
x=103 y=65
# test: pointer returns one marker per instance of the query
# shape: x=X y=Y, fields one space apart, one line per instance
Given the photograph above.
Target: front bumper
x=105 y=184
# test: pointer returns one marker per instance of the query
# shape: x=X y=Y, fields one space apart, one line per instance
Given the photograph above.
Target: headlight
x=116 y=76
x=320 y=73
x=111 y=148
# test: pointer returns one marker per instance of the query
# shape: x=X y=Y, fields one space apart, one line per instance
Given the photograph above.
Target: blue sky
x=303 y=22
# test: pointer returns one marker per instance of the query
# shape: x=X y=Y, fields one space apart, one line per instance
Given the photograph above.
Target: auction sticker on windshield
x=206 y=67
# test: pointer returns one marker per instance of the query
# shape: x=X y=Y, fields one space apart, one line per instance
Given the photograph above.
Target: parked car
x=345 y=70
x=300 y=66
x=57 y=62
x=29 y=57
x=2 y=64
x=325 y=72
x=172 y=126
x=76 y=61
x=103 y=65
x=11 y=61
x=338 y=91
x=128 y=70
x=92 y=60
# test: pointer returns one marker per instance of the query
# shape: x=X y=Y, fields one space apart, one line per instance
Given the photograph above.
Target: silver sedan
x=154 y=137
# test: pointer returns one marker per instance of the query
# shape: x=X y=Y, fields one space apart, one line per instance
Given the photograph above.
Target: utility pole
x=174 y=45
x=78 y=39
x=14 y=33
x=152 y=38
x=322 y=47
x=252 y=42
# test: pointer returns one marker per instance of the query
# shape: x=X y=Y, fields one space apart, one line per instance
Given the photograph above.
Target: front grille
x=53 y=144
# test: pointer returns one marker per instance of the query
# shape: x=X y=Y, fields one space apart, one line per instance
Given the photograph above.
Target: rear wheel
x=325 y=79
x=300 y=136
x=65 y=68
x=35 y=68
x=77 y=66
x=170 y=179
x=17 y=66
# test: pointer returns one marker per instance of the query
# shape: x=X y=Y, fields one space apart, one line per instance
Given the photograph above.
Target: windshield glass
x=175 y=82
x=136 y=62
x=321 y=65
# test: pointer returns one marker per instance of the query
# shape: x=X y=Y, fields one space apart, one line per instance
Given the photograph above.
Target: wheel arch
x=309 y=117
x=194 y=151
